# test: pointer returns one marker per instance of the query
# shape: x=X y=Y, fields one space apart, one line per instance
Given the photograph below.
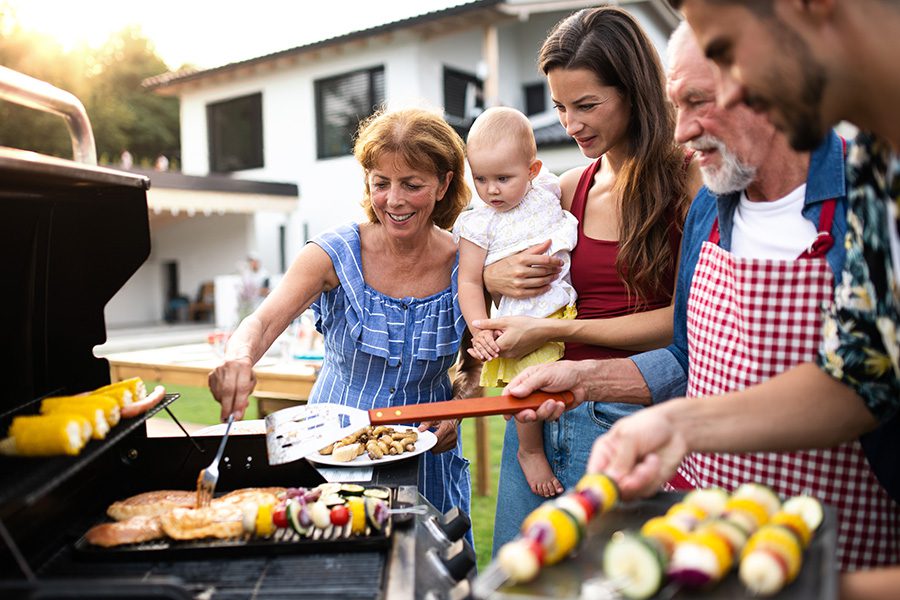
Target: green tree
x=44 y=59
x=107 y=81
x=128 y=116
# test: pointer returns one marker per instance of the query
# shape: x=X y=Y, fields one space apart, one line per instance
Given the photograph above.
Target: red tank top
x=601 y=293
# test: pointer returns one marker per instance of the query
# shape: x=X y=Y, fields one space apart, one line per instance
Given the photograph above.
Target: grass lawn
x=196 y=405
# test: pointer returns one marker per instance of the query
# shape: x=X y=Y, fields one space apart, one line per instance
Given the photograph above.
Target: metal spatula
x=297 y=432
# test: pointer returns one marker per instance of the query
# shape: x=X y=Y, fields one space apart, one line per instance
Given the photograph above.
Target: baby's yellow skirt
x=497 y=372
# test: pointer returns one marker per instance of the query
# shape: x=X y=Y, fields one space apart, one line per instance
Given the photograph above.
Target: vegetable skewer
x=773 y=555
x=554 y=529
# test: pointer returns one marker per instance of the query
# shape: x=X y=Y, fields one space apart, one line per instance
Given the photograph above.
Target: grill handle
x=21 y=89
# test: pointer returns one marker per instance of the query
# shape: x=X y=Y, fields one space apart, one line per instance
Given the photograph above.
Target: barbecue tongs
x=206 y=481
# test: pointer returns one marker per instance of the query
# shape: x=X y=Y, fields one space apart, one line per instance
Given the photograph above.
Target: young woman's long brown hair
x=609 y=42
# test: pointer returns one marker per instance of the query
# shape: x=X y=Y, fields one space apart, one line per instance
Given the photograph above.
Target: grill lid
x=72 y=235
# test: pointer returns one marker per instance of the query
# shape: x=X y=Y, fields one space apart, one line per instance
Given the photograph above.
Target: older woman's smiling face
x=403 y=198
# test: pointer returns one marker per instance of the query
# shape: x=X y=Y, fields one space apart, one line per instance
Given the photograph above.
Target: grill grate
x=24 y=481
x=350 y=576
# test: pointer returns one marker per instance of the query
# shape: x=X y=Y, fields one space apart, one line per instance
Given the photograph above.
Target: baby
x=520 y=208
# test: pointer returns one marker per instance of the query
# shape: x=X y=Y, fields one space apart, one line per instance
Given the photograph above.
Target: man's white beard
x=731 y=175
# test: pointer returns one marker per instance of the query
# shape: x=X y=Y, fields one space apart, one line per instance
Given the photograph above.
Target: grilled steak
x=130 y=531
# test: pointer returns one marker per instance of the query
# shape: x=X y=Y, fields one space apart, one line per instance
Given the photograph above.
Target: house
x=289 y=118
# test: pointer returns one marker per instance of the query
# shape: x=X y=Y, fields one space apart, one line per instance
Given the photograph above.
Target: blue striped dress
x=382 y=351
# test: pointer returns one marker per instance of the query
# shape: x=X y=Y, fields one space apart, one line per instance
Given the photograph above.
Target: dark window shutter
x=341 y=103
x=235 y=131
x=463 y=99
x=535 y=98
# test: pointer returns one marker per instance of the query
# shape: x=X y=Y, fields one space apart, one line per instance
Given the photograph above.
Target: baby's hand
x=483 y=345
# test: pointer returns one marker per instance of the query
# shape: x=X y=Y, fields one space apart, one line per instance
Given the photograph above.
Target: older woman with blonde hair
x=384 y=293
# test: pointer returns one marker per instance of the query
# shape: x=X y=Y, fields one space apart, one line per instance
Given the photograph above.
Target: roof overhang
x=172 y=194
x=192 y=202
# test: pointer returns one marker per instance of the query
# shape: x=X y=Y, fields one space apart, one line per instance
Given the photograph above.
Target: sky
x=210 y=33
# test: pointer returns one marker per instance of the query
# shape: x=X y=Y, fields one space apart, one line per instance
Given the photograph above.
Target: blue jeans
x=567 y=445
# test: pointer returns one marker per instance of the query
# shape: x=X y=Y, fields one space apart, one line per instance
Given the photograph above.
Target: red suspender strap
x=824 y=240
x=714 y=232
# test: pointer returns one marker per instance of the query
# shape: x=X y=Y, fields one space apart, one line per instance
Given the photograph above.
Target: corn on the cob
x=94 y=415
x=126 y=391
x=48 y=435
x=107 y=403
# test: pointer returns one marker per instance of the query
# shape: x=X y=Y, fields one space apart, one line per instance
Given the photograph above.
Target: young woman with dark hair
x=608 y=87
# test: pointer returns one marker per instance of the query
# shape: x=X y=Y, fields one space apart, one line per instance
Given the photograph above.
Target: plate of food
x=374 y=445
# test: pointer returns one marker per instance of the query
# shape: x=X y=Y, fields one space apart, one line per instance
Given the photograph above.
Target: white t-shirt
x=773 y=230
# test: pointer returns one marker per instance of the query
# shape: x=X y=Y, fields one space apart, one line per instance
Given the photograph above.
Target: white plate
x=425 y=442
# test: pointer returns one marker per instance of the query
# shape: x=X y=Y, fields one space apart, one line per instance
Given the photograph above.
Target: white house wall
x=203 y=246
x=519 y=57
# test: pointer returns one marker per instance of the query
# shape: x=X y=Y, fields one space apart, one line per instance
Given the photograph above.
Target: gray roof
x=215 y=183
x=188 y=74
x=552 y=135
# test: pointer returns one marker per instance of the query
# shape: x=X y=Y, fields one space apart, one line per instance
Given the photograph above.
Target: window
x=463 y=99
x=235 y=134
x=535 y=98
x=341 y=103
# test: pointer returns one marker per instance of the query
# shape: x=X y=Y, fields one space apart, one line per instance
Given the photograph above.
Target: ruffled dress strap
x=381 y=324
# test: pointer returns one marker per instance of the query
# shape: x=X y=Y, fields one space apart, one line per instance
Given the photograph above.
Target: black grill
x=71 y=235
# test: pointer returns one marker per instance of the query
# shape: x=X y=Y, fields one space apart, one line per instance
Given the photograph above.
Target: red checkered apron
x=748 y=320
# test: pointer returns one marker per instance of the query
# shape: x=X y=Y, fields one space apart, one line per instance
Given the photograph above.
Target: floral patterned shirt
x=861 y=345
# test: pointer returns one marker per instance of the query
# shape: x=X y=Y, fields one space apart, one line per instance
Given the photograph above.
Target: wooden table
x=278 y=383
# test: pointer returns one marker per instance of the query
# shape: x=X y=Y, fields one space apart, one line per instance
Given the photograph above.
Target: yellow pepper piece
x=691 y=509
x=603 y=486
x=685 y=516
x=265 y=526
x=776 y=538
x=665 y=531
x=357 y=508
x=795 y=523
x=720 y=548
x=749 y=506
x=564 y=530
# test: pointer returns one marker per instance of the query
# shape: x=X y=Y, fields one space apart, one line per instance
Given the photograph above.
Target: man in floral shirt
x=862 y=333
